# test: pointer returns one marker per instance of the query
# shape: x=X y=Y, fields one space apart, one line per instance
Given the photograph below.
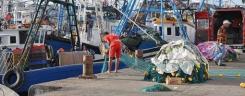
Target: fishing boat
x=15 y=38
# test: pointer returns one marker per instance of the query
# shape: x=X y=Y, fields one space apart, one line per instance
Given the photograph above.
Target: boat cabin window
x=23 y=36
x=169 y=31
x=12 y=39
x=177 y=33
x=177 y=30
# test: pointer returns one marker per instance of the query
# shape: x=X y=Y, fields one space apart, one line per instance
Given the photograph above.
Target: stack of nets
x=181 y=59
x=175 y=59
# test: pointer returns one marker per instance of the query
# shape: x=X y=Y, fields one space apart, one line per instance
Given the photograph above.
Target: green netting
x=105 y=65
x=132 y=62
x=156 y=88
x=135 y=63
x=153 y=75
x=147 y=67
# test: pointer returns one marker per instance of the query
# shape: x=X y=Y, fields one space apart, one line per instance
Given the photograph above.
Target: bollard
x=88 y=67
x=139 y=53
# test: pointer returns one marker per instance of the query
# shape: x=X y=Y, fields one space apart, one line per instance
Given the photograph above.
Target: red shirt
x=112 y=39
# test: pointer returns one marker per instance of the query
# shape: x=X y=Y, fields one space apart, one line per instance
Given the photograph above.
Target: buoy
x=221 y=75
x=190 y=79
x=242 y=85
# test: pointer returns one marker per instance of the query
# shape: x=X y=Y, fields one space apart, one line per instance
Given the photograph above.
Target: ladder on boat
x=60 y=18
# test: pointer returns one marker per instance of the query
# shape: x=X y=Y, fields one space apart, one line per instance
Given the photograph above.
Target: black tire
x=19 y=78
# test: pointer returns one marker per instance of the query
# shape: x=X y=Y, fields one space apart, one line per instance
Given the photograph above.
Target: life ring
x=6 y=80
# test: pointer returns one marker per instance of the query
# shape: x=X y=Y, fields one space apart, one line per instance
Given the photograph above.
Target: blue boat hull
x=55 y=73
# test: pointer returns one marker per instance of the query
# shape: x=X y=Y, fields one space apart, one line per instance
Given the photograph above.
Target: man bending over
x=114 y=49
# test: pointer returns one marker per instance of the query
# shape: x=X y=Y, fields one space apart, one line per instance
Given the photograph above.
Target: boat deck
x=129 y=83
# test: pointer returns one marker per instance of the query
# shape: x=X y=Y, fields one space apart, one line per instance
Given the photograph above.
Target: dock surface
x=130 y=83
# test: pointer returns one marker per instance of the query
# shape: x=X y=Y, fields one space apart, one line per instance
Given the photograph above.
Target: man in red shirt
x=114 y=49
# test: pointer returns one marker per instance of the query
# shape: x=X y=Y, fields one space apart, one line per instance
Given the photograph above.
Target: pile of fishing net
x=212 y=49
x=154 y=34
x=178 y=59
x=133 y=41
